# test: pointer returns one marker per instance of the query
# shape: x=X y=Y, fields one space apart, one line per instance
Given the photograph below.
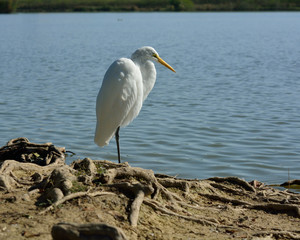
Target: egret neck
x=148 y=73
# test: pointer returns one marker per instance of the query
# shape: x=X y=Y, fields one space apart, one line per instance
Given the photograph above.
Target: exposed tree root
x=12 y=165
x=127 y=172
x=220 y=205
x=234 y=180
x=289 y=209
x=73 y=196
x=225 y=199
x=174 y=201
x=14 y=174
x=176 y=183
x=156 y=206
x=150 y=185
x=140 y=191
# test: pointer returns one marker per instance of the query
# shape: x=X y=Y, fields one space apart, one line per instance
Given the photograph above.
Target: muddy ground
x=38 y=191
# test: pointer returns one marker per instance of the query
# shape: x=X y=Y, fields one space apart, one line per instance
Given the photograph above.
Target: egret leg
x=118 y=146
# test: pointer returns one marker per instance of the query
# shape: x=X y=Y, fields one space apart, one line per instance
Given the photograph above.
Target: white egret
x=126 y=84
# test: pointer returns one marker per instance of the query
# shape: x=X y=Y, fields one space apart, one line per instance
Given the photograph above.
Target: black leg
x=118 y=146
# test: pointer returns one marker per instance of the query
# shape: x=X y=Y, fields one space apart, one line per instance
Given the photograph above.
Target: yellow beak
x=164 y=63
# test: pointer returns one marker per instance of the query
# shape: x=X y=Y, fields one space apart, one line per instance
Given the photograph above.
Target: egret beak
x=164 y=63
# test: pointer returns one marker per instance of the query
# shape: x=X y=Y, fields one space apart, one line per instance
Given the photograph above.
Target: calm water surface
x=232 y=108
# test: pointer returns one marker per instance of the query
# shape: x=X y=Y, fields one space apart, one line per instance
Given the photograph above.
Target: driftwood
x=21 y=150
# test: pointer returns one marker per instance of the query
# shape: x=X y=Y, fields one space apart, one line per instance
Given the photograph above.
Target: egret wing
x=117 y=96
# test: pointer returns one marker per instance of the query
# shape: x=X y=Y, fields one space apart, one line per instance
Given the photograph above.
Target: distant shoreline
x=23 y=6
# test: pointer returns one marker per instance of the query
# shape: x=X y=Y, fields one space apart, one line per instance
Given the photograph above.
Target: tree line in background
x=8 y=6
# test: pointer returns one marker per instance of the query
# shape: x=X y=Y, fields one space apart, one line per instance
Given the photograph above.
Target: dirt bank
x=138 y=202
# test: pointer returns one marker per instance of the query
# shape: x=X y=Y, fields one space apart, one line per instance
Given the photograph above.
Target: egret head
x=149 y=53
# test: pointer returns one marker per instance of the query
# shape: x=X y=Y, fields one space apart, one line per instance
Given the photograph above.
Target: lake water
x=232 y=108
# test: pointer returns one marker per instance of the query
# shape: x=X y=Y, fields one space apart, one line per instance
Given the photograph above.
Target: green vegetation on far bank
x=7 y=6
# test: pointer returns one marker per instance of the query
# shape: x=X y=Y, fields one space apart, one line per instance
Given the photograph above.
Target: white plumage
x=125 y=86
